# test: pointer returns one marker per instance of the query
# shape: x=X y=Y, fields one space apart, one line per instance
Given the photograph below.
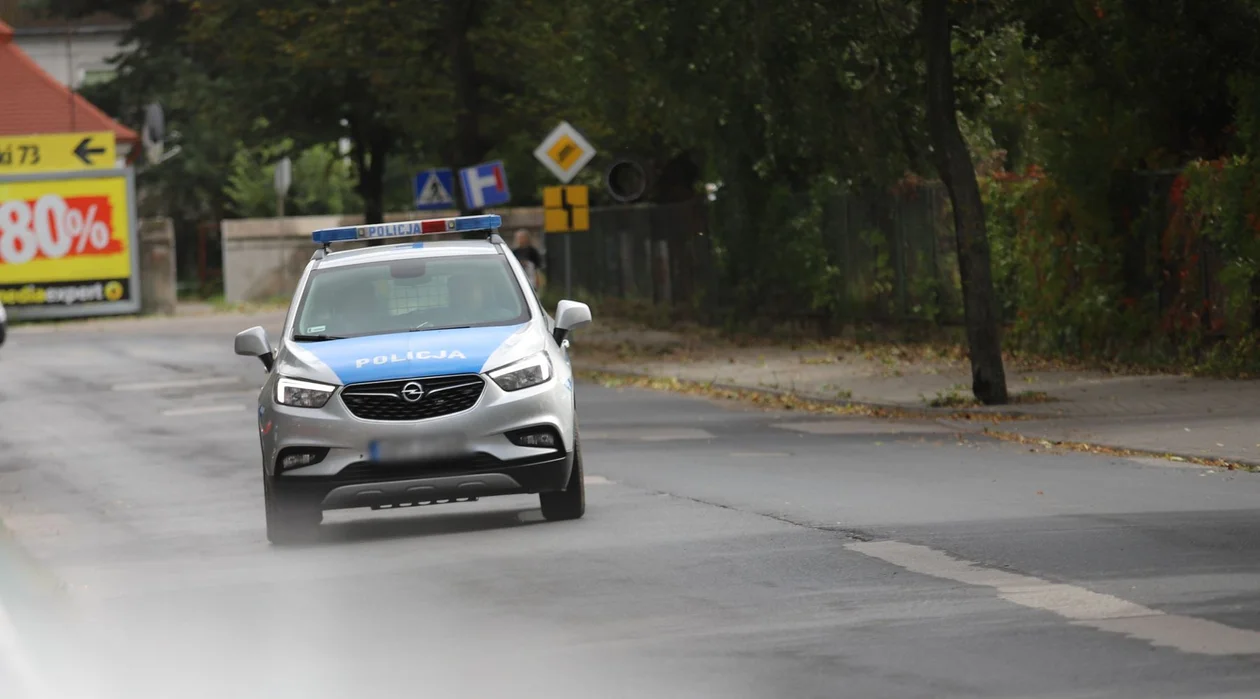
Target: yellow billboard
x=67 y=244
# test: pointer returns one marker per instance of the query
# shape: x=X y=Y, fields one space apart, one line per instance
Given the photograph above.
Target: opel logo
x=412 y=392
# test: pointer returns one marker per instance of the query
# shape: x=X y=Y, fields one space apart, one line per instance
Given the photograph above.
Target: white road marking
x=180 y=383
x=760 y=454
x=648 y=434
x=204 y=410
x=595 y=480
x=1081 y=606
x=850 y=426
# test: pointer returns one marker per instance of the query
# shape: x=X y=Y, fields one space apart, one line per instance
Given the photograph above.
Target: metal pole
x=568 y=266
x=280 y=206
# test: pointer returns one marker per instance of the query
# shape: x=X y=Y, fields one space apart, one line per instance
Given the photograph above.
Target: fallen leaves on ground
x=778 y=400
x=1117 y=452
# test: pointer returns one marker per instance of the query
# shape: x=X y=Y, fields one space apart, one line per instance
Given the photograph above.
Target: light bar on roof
x=406 y=229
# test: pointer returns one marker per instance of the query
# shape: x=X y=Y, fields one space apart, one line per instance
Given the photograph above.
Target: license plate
x=401 y=450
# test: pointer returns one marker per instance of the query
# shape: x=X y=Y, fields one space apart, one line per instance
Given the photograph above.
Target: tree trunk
x=468 y=146
x=953 y=161
x=369 y=149
x=372 y=180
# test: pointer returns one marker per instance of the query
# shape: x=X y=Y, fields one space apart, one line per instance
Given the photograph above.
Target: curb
x=1126 y=452
x=950 y=418
x=924 y=412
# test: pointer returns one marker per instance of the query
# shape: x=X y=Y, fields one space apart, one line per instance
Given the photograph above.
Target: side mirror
x=570 y=315
x=254 y=343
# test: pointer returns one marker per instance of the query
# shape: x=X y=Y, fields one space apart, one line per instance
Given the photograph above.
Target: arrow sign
x=85 y=150
x=57 y=152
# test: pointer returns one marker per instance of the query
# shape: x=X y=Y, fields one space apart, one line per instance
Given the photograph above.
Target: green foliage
x=322 y=183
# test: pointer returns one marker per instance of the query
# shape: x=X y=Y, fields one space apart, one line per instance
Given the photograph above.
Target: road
x=727 y=552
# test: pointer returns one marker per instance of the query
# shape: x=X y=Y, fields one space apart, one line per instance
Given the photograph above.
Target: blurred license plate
x=394 y=450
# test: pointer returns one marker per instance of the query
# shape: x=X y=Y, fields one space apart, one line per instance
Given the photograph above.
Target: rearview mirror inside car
x=254 y=343
x=570 y=315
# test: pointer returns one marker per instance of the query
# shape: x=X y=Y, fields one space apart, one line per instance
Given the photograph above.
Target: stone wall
x=158 y=291
x=263 y=258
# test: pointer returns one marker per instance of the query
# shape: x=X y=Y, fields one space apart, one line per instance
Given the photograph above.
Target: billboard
x=68 y=244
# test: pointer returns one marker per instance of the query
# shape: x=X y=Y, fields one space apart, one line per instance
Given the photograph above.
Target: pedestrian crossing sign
x=434 y=189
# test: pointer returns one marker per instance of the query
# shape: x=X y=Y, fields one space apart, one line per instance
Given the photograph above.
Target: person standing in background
x=529 y=257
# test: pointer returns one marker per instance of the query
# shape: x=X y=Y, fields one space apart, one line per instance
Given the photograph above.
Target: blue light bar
x=407 y=229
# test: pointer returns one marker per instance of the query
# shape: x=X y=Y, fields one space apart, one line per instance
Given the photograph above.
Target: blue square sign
x=435 y=189
x=485 y=185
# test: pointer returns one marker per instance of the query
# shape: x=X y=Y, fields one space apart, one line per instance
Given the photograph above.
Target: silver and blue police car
x=416 y=373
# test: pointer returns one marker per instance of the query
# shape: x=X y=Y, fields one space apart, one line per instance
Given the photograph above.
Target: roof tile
x=36 y=102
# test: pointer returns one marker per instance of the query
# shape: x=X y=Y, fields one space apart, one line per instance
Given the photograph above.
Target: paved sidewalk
x=1176 y=415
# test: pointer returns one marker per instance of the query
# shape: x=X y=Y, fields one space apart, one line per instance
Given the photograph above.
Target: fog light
x=536 y=437
x=297 y=458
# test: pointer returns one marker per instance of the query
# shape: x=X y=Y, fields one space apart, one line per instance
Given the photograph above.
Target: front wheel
x=569 y=503
x=288 y=521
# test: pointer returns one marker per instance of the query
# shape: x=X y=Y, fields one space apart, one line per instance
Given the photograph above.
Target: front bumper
x=479 y=460
x=372 y=485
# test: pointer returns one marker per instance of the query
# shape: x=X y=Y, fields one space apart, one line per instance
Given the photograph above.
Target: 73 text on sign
x=64 y=231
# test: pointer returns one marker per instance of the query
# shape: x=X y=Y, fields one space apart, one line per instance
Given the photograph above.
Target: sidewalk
x=1176 y=415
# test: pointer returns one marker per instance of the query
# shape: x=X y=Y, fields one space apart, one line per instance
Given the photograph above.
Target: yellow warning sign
x=566 y=209
x=565 y=152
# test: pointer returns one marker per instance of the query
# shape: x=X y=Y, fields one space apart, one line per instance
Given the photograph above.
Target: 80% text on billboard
x=65 y=242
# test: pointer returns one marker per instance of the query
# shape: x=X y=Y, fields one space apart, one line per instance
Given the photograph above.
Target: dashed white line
x=204 y=410
x=1083 y=607
x=177 y=383
x=665 y=434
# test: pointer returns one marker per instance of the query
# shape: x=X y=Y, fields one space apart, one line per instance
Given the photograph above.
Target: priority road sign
x=60 y=152
x=566 y=209
x=564 y=152
x=433 y=189
x=485 y=185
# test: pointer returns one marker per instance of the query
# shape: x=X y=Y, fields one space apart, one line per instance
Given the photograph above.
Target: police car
x=416 y=373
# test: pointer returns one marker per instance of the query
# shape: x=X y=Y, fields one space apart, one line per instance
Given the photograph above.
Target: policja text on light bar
x=407 y=229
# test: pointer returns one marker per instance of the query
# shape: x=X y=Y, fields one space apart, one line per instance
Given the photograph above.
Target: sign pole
x=568 y=264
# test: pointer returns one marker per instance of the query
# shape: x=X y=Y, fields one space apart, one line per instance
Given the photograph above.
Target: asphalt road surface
x=726 y=552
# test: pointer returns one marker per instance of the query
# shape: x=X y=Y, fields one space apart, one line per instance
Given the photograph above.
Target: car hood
x=408 y=355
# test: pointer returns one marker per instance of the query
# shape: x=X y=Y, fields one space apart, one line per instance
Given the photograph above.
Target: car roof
x=407 y=251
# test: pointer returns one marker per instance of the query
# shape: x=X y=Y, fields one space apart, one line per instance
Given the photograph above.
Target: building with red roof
x=35 y=102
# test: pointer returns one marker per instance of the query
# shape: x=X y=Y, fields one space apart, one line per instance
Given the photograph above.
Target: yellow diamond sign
x=564 y=152
x=566 y=209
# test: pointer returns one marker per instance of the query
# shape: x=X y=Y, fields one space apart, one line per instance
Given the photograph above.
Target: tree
x=371 y=71
x=954 y=164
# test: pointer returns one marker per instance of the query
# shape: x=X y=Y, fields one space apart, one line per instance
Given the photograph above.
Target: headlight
x=527 y=372
x=302 y=394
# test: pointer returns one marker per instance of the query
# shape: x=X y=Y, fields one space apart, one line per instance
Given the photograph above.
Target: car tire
x=289 y=521
x=1 y=333
x=569 y=503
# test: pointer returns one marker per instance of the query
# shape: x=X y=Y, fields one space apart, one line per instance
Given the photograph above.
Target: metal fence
x=893 y=255
x=658 y=253
x=893 y=252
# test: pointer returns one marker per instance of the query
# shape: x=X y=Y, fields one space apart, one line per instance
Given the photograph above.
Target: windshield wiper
x=444 y=327
x=316 y=338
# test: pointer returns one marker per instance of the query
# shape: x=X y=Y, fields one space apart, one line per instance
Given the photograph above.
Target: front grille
x=363 y=471
x=383 y=400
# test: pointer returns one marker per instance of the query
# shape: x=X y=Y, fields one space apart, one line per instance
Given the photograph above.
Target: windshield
x=408 y=295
